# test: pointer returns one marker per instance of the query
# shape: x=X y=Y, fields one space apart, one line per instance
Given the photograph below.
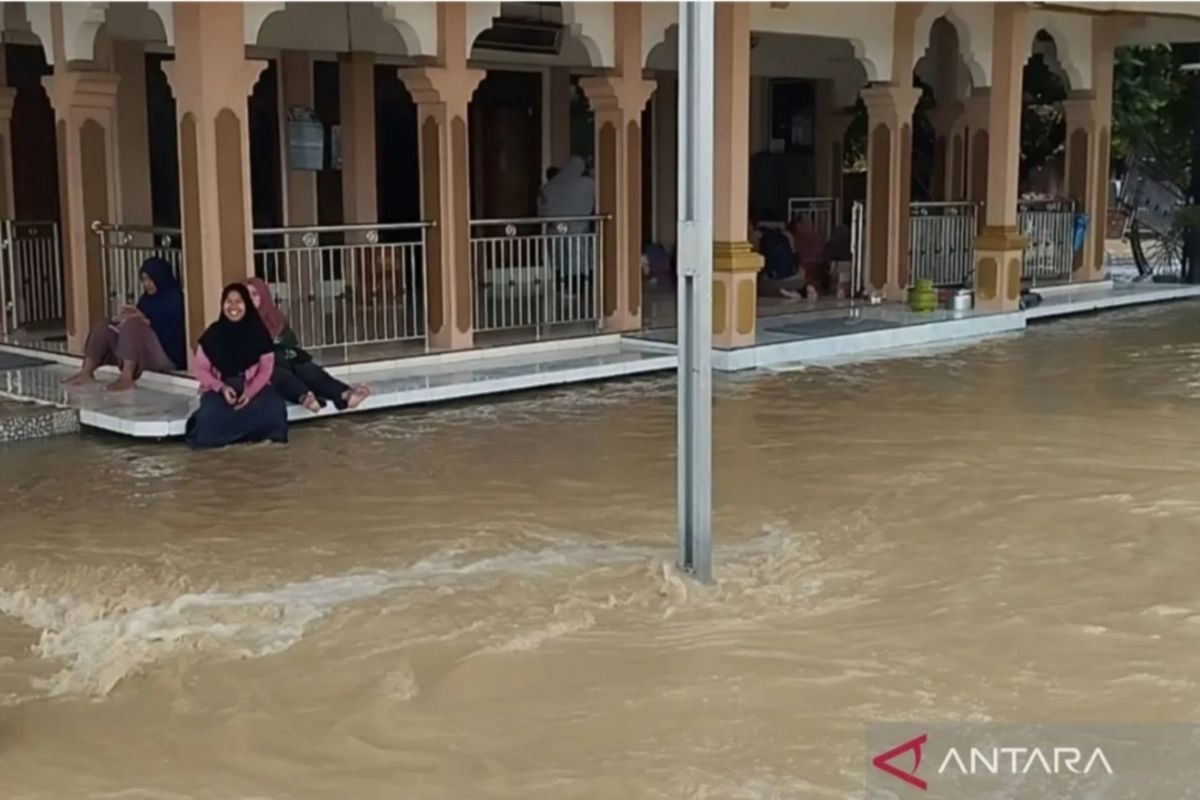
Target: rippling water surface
x=479 y=602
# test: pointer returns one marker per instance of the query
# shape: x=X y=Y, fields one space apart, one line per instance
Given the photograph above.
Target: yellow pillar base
x=735 y=294
x=999 y=259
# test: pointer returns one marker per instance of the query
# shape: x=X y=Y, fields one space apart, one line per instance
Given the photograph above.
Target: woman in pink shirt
x=234 y=362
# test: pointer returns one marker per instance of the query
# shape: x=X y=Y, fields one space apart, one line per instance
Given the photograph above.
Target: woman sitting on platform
x=234 y=362
x=297 y=377
x=149 y=335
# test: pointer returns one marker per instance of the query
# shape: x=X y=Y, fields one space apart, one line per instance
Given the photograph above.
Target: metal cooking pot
x=962 y=300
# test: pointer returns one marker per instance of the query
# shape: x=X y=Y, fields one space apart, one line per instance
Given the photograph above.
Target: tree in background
x=1043 y=129
x=1151 y=113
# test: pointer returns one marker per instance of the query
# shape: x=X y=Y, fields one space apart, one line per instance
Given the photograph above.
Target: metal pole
x=695 y=287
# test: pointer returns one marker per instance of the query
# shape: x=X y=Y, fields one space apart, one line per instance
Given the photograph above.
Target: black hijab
x=233 y=347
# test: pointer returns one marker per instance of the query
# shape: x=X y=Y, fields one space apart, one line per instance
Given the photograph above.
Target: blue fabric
x=778 y=259
x=217 y=424
x=164 y=309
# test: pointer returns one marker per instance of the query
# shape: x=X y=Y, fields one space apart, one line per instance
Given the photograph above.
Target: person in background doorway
x=296 y=377
x=810 y=256
x=149 y=335
x=570 y=193
x=780 y=275
x=234 y=363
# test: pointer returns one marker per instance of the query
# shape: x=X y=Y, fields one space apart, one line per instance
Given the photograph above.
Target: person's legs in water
x=98 y=350
x=292 y=389
x=137 y=349
x=330 y=388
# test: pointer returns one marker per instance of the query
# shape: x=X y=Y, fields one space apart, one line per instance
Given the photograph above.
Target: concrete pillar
x=999 y=250
x=1082 y=172
x=442 y=93
x=889 y=181
x=978 y=107
x=735 y=264
x=7 y=96
x=356 y=86
x=85 y=117
x=666 y=158
x=760 y=129
x=823 y=140
x=1104 y=41
x=300 y=197
x=558 y=116
x=133 y=137
x=947 y=152
x=956 y=158
x=211 y=80
x=617 y=100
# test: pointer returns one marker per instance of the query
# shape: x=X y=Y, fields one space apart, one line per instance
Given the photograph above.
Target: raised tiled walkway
x=160 y=405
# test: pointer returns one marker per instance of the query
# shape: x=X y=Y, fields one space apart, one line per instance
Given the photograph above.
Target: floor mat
x=820 y=328
x=14 y=361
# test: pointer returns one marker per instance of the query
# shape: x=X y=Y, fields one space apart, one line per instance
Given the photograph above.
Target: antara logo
x=993 y=761
x=883 y=761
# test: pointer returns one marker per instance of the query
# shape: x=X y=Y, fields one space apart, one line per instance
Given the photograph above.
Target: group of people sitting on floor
x=248 y=362
x=799 y=262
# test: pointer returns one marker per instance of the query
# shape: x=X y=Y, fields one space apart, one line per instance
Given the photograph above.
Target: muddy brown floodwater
x=478 y=601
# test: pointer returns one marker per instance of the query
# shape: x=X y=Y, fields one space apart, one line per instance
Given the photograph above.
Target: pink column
x=1104 y=39
x=735 y=264
x=133 y=139
x=85 y=114
x=296 y=77
x=948 y=153
x=978 y=108
x=889 y=178
x=443 y=93
x=617 y=100
x=212 y=79
x=999 y=250
x=357 y=96
x=7 y=202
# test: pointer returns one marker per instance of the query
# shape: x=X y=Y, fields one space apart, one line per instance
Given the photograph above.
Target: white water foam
x=101 y=647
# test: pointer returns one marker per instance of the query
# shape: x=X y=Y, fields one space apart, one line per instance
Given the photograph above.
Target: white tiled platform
x=1070 y=300
x=838 y=334
x=160 y=405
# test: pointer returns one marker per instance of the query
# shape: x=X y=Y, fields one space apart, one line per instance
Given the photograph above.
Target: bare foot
x=121 y=384
x=811 y=294
x=311 y=402
x=357 y=395
x=79 y=379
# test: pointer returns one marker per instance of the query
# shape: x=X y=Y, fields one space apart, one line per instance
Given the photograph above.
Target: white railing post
x=360 y=290
x=534 y=272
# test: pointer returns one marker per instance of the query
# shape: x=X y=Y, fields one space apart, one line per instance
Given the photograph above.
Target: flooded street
x=479 y=601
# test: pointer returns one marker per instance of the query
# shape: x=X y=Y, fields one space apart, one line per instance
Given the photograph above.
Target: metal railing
x=123 y=250
x=1049 y=226
x=821 y=212
x=942 y=242
x=31 y=274
x=347 y=284
x=858 y=247
x=536 y=272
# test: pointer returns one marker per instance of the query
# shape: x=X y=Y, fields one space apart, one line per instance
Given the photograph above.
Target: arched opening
x=34 y=148
x=1043 y=128
x=939 y=171
x=531 y=108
